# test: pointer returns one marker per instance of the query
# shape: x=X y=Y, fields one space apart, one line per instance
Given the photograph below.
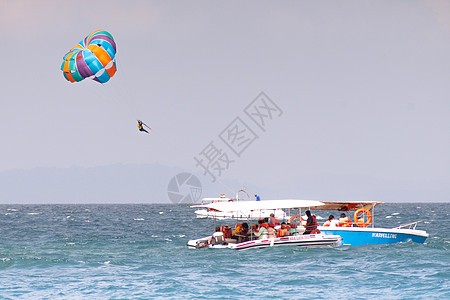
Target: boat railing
x=411 y=225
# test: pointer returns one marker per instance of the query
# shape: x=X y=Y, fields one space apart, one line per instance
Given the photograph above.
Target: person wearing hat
x=274 y=220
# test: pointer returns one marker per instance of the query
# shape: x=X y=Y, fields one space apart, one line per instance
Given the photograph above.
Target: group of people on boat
x=265 y=228
x=343 y=221
x=271 y=227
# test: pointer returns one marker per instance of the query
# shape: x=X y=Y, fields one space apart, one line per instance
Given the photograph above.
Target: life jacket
x=327 y=223
x=226 y=229
x=282 y=232
x=313 y=224
x=274 y=221
x=237 y=228
x=286 y=229
x=345 y=222
x=140 y=126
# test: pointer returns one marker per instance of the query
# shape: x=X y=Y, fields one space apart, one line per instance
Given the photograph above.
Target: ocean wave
x=104 y=252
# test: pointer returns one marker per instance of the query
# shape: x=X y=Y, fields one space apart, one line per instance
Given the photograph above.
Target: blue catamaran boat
x=362 y=230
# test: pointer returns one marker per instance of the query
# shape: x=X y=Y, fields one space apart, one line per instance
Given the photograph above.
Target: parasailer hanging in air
x=141 y=126
x=94 y=57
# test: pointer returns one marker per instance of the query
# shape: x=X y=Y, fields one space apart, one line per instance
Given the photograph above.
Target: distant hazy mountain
x=156 y=184
x=106 y=184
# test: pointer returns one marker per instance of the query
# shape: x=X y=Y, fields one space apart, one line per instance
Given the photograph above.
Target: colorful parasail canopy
x=93 y=57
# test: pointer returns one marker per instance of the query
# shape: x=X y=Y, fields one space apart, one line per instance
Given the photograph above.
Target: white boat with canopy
x=205 y=211
x=250 y=241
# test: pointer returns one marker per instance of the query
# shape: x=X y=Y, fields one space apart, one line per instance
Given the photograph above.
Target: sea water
x=139 y=252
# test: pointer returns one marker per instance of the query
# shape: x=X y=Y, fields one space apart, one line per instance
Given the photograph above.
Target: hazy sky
x=361 y=90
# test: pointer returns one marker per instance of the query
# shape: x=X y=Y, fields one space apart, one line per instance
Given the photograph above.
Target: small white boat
x=250 y=241
x=208 y=212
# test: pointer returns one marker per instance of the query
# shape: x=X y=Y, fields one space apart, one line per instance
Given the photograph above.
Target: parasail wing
x=93 y=57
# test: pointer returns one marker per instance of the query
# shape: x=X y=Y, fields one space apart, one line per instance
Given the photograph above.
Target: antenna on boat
x=243 y=190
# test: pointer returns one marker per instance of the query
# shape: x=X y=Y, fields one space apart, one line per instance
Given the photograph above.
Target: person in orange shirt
x=274 y=220
x=344 y=221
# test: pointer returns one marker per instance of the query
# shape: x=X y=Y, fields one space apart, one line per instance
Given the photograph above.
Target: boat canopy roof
x=346 y=205
x=261 y=205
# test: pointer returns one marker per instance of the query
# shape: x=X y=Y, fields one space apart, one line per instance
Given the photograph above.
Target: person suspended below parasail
x=141 y=126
